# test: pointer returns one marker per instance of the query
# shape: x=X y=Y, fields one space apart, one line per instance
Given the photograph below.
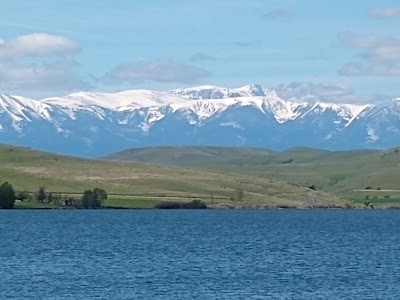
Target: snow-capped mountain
x=95 y=124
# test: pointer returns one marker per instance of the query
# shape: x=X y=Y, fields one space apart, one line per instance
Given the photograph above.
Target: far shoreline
x=239 y=208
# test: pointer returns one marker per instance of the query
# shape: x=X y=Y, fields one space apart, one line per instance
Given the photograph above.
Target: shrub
x=195 y=204
x=168 y=205
x=368 y=187
x=56 y=198
x=23 y=196
x=239 y=194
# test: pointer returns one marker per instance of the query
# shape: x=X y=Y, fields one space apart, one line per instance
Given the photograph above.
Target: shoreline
x=213 y=208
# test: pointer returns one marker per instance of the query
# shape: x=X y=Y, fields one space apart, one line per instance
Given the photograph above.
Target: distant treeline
x=89 y=198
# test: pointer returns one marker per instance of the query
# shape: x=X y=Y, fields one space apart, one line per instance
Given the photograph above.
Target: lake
x=157 y=254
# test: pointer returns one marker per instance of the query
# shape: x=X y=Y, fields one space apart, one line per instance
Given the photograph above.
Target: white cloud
x=380 y=56
x=384 y=12
x=353 y=40
x=281 y=13
x=39 y=63
x=160 y=70
x=375 y=69
x=50 y=77
x=36 y=45
x=384 y=54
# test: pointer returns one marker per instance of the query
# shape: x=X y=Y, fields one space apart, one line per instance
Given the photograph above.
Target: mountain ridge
x=204 y=115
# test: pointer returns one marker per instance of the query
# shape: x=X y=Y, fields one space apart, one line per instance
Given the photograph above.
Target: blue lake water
x=151 y=254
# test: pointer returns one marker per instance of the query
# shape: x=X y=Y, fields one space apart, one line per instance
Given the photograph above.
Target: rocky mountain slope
x=96 y=124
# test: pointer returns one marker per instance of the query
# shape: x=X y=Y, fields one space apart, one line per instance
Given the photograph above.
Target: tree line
x=89 y=199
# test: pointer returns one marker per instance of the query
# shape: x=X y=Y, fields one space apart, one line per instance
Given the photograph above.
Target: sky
x=344 y=50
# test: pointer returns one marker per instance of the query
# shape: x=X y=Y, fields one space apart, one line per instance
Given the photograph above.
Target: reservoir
x=199 y=254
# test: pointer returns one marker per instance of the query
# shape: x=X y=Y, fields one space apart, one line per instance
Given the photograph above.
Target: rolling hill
x=343 y=173
x=129 y=182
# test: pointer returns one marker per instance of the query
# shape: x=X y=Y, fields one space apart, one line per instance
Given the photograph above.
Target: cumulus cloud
x=55 y=76
x=278 y=14
x=375 y=69
x=39 y=63
x=384 y=12
x=380 y=55
x=201 y=56
x=160 y=70
x=36 y=45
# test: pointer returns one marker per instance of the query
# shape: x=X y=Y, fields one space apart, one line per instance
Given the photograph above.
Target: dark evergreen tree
x=7 y=196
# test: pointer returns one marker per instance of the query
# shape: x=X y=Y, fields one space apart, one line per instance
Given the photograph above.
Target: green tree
x=41 y=194
x=90 y=199
x=101 y=194
x=7 y=196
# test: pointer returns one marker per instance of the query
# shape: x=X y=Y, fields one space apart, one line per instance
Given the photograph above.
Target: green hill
x=132 y=184
x=196 y=156
x=346 y=174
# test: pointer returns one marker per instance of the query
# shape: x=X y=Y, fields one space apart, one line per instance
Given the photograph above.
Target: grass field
x=141 y=185
x=345 y=174
x=112 y=202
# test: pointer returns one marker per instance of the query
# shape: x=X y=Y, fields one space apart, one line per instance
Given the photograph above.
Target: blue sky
x=348 y=48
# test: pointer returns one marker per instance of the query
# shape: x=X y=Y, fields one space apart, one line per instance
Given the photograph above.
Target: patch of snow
x=231 y=124
x=123 y=122
x=347 y=112
x=371 y=135
x=144 y=127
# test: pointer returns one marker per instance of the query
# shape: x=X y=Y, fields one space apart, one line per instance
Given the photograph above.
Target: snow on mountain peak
x=21 y=108
x=120 y=101
x=138 y=117
x=214 y=92
x=196 y=104
x=251 y=90
x=205 y=92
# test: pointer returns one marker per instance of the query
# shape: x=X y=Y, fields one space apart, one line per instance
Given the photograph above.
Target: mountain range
x=96 y=124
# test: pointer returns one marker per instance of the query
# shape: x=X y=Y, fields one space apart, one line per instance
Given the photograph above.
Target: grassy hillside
x=196 y=156
x=130 y=184
x=343 y=173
